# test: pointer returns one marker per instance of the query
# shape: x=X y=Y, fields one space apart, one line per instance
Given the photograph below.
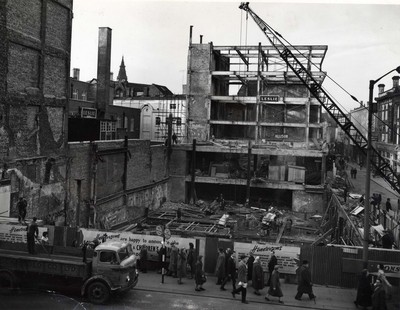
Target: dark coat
x=181 y=264
x=250 y=262
x=304 y=280
x=364 y=292
x=273 y=261
x=275 y=288
x=220 y=267
x=258 y=276
x=231 y=268
x=173 y=260
x=379 y=298
x=198 y=275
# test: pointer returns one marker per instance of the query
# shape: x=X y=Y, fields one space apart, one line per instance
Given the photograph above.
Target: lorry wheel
x=98 y=292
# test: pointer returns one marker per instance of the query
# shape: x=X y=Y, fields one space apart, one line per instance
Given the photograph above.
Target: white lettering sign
x=288 y=256
x=153 y=243
x=16 y=232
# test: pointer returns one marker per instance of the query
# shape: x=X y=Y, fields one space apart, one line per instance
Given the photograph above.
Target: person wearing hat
x=258 y=276
x=304 y=285
x=32 y=233
x=220 y=266
x=242 y=278
x=275 y=285
x=364 y=290
x=173 y=261
x=230 y=270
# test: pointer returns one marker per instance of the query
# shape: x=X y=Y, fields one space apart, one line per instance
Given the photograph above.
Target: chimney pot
x=381 y=88
x=395 y=81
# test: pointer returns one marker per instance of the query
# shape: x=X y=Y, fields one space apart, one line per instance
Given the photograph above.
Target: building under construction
x=255 y=132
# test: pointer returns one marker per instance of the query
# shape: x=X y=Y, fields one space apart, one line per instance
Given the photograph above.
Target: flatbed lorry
x=111 y=269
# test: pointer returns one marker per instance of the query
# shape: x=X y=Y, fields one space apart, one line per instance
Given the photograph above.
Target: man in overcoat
x=304 y=285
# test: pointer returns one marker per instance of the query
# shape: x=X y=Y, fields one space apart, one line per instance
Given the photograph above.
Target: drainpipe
x=193 y=192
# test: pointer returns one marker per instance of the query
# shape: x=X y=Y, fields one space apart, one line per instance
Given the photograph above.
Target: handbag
x=242 y=284
x=203 y=278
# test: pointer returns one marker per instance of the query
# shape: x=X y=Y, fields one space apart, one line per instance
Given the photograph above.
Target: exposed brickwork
x=146 y=168
x=32 y=117
x=23 y=62
x=56 y=32
x=23 y=17
x=55 y=77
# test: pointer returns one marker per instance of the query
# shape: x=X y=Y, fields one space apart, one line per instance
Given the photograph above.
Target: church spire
x=122 y=73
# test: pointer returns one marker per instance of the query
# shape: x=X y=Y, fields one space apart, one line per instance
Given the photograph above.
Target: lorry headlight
x=128 y=278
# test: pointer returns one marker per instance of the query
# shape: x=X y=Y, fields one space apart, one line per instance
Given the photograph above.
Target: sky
x=363 y=37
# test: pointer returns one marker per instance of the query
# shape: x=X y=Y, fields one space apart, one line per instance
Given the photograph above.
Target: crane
x=299 y=64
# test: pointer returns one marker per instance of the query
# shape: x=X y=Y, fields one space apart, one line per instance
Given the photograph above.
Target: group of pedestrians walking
x=374 y=295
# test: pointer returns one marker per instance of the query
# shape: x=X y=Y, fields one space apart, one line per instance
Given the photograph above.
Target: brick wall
x=146 y=180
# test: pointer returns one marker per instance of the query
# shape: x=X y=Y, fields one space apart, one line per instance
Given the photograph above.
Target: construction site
x=257 y=165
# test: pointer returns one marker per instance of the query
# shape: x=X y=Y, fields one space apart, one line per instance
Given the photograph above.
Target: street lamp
x=372 y=108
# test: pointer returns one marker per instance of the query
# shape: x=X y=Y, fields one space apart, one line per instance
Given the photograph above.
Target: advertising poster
x=288 y=256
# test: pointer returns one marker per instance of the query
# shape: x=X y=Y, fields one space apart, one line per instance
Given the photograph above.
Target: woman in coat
x=379 y=296
x=275 y=286
x=198 y=275
x=273 y=261
x=181 y=265
x=220 y=266
x=364 y=290
x=173 y=261
x=258 y=276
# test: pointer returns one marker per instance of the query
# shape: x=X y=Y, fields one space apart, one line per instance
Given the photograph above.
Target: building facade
x=34 y=69
x=387 y=124
x=259 y=132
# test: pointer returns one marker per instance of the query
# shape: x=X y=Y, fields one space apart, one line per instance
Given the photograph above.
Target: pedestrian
x=275 y=287
x=385 y=283
x=242 y=278
x=258 y=276
x=230 y=274
x=250 y=262
x=174 y=138
x=379 y=200
x=364 y=290
x=173 y=261
x=191 y=259
x=345 y=193
x=21 y=206
x=182 y=260
x=304 y=285
x=220 y=266
x=379 y=296
x=32 y=233
x=273 y=261
x=199 y=274
x=355 y=173
x=352 y=172
x=388 y=205
x=143 y=259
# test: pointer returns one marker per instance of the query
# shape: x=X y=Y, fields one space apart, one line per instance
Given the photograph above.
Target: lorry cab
x=113 y=269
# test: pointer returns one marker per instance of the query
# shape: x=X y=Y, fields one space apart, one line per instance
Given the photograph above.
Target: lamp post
x=372 y=108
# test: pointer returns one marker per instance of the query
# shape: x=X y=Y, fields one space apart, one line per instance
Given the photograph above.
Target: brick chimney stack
x=381 y=88
x=75 y=73
x=103 y=71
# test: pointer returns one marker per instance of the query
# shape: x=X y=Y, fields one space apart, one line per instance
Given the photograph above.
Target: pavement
x=327 y=297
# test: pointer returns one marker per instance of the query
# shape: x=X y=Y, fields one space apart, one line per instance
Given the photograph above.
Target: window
x=126 y=122
x=108 y=257
x=84 y=95
x=131 y=124
x=158 y=120
x=107 y=130
x=75 y=94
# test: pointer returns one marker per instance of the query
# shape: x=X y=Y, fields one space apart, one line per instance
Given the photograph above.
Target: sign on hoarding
x=288 y=256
